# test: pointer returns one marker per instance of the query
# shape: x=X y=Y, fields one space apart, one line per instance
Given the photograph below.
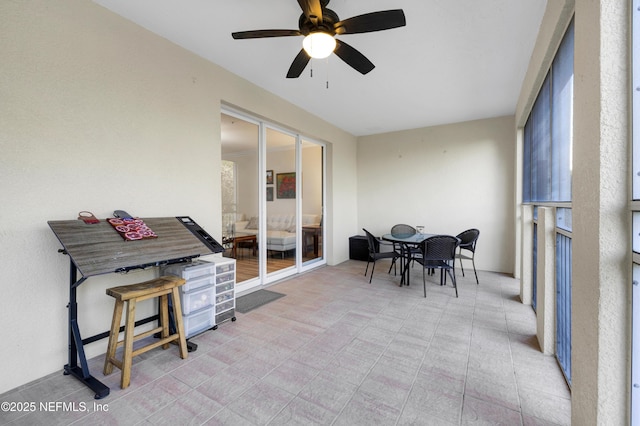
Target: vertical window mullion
x=635 y=214
x=526 y=159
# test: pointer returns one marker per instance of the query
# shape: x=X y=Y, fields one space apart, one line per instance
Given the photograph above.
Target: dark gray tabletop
x=406 y=238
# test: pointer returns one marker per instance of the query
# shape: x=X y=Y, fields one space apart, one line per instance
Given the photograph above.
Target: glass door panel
x=281 y=188
x=272 y=200
x=312 y=201
x=240 y=195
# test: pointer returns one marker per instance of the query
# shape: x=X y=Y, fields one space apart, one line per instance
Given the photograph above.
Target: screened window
x=562 y=120
x=547 y=167
x=539 y=144
x=548 y=132
x=563 y=267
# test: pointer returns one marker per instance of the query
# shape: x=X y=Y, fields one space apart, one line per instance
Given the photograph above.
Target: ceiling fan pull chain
x=327 y=73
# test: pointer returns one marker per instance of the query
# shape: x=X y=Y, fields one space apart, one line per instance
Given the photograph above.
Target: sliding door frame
x=264 y=278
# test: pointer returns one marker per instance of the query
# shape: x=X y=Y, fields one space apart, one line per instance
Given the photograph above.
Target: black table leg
x=405 y=252
x=76 y=347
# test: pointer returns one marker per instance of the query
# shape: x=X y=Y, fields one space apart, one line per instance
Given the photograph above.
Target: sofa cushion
x=280 y=222
x=253 y=223
x=281 y=229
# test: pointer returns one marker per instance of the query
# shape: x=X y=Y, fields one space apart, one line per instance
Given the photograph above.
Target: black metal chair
x=468 y=240
x=439 y=252
x=402 y=230
x=375 y=254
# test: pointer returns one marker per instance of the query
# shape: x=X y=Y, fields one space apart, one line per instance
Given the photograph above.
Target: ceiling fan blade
x=312 y=10
x=369 y=22
x=352 y=57
x=298 y=65
x=264 y=33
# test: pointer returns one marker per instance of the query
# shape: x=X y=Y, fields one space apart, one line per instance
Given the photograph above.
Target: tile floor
x=337 y=351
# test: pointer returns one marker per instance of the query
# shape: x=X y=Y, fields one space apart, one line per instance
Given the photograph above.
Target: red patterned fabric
x=132 y=229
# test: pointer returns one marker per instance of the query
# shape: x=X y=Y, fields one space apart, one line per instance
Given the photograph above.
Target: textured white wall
x=602 y=234
x=447 y=178
x=99 y=114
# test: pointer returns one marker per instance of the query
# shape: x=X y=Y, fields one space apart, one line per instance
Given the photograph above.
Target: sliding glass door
x=240 y=200
x=312 y=193
x=272 y=200
x=281 y=189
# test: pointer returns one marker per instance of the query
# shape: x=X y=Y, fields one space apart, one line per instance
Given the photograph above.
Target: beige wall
x=447 y=178
x=99 y=114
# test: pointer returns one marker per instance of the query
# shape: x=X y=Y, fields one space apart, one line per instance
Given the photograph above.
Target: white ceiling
x=455 y=60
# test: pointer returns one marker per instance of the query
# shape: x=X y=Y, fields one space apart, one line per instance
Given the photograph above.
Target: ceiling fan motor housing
x=329 y=18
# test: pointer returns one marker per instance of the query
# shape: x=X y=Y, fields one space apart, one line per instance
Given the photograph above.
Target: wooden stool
x=159 y=287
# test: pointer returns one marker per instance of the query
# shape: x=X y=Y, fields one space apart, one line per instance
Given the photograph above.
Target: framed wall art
x=286 y=185
x=269 y=193
x=269 y=177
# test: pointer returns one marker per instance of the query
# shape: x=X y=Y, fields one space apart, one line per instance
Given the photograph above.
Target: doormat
x=254 y=300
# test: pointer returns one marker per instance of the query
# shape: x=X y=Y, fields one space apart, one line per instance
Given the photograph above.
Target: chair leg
x=372 y=269
x=367 y=268
x=453 y=278
x=164 y=318
x=113 y=338
x=177 y=313
x=474 y=270
x=424 y=283
x=125 y=379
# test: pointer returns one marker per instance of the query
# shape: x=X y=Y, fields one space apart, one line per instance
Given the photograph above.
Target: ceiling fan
x=320 y=25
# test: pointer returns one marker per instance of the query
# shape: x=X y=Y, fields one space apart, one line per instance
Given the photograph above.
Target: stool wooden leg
x=128 y=344
x=177 y=314
x=113 y=338
x=164 y=318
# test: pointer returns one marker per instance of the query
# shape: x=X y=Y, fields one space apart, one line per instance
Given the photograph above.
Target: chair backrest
x=402 y=230
x=440 y=247
x=468 y=239
x=374 y=244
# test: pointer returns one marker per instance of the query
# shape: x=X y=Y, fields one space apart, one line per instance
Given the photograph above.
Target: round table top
x=406 y=238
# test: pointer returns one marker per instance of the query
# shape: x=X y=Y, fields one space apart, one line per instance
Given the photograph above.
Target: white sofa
x=281 y=234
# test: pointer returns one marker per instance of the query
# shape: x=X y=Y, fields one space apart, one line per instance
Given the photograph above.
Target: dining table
x=407 y=242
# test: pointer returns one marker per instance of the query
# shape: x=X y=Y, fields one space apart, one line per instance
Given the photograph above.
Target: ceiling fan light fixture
x=319 y=45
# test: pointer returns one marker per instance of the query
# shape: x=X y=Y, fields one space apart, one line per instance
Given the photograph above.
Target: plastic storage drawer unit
x=195 y=300
x=223 y=278
x=197 y=273
x=225 y=267
x=198 y=322
x=224 y=297
x=224 y=287
x=224 y=306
